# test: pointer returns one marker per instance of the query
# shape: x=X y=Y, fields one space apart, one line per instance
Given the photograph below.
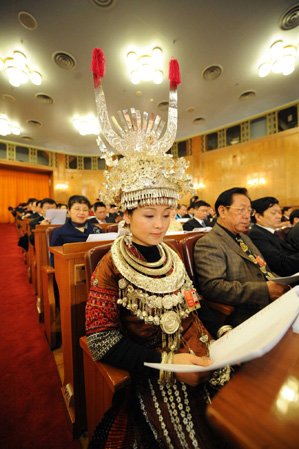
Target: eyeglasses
x=242 y=210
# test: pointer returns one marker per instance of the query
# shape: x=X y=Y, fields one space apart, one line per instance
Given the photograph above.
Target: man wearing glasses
x=230 y=269
x=281 y=256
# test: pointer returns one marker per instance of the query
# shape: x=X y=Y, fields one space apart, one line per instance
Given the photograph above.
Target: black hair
x=284 y=209
x=294 y=214
x=78 y=199
x=47 y=200
x=179 y=206
x=226 y=198
x=31 y=200
x=262 y=204
x=98 y=204
x=200 y=203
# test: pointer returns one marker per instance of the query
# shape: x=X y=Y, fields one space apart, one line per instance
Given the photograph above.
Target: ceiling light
x=158 y=77
x=18 y=71
x=7 y=127
x=282 y=60
x=132 y=59
x=146 y=67
x=264 y=69
x=86 y=125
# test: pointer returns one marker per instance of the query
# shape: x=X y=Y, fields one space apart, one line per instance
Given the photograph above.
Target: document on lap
x=56 y=216
x=287 y=280
x=251 y=339
x=102 y=237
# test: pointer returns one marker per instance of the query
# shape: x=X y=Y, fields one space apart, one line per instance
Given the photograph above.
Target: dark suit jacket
x=107 y=220
x=36 y=221
x=228 y=276
x=192 y=224
x=293 y=236
x=67 y=233
x=280 y=256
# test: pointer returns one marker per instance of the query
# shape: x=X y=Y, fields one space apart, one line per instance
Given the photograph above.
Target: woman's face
x=148 y=224
x=79 y=212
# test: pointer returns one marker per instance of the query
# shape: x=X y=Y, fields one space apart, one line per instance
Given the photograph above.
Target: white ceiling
x=234 y=34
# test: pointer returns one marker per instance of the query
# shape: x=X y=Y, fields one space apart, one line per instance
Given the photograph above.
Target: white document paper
x=102 y=237
x=251 y=339
x=287 y=280
x=56 y=216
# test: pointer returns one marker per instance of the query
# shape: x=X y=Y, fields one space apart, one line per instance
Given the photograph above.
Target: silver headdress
x=146 y=175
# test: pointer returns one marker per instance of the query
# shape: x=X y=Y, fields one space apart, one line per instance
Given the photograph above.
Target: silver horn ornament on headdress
x=146 y=174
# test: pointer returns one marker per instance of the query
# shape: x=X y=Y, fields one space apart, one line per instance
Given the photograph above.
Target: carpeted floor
x=32 y=414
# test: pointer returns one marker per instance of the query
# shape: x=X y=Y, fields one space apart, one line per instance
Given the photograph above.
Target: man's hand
x=276 y=290
x=46 y=221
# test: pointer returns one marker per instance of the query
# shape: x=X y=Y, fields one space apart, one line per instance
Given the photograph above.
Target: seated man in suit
x=280 y=255
x=182 y=211
x=201 y=210
x=46 y=204
x=293 y=235
x=230 y=269
x=286 y=212
x=100 y=214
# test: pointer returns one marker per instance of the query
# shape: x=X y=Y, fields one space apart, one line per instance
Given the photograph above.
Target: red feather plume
x=97 y=66
x=174 y=73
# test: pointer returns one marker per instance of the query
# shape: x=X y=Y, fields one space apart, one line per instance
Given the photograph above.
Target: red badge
x=192 y=299
x=260 y=261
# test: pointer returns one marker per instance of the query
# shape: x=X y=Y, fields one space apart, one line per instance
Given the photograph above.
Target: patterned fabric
x=101 y=342
x=102 y=312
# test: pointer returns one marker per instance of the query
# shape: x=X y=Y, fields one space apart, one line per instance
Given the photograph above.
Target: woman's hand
x=192 y=379
x=46 y=221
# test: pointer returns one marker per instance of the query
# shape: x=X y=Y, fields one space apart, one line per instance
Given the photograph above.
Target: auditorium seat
x=112 y=227
x=101 y=381
x=51 y=316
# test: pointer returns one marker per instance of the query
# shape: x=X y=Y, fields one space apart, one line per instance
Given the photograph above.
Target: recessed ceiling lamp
x=282 y=59
x=146 y=67
x=7 y=127
x=18 y=71
x=86 y=125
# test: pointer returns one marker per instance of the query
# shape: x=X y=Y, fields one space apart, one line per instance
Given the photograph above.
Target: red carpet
x=32 y=414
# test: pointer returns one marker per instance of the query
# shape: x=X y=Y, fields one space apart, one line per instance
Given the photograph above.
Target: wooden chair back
x=113 y=227
x=92 y=258
x=49 y=232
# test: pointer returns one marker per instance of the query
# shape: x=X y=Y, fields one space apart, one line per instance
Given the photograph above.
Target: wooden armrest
x=222 y=308
x=116 y=378
x=48 y=269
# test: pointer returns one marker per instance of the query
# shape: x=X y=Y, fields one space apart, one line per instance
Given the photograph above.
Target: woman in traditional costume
x=142 y=305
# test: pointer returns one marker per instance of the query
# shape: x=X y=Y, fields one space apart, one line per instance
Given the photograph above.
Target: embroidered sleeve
x=101 y=342
x=102 y=312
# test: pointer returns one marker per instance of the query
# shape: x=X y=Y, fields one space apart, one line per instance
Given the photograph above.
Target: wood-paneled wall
x=274 y=158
